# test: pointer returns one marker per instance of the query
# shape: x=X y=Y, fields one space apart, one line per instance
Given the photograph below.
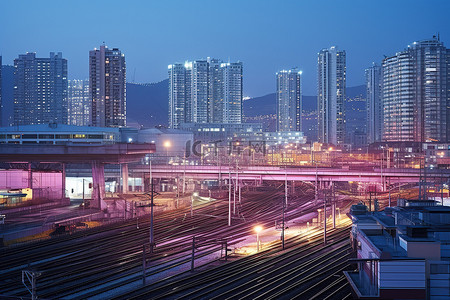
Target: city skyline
x=254 y=40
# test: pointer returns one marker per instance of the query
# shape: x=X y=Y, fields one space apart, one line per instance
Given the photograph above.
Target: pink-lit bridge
x=263 y=173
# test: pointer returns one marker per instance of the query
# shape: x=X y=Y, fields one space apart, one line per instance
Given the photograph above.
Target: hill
x=147 y=104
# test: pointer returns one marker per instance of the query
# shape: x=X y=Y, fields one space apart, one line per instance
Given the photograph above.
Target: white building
x=205 y=91
x=331 y=95
x=289 y=100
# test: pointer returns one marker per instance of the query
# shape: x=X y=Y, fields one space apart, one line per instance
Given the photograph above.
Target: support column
x=30 y=177
x=124 y=178
x=98 y=185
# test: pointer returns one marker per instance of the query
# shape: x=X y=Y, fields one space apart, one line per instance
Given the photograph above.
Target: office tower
x=331 y=96
x=40 y=89
x=205 y=91
x=289 y=100
x=107 y=87
x=78 y=102
x=416 y=93
x=374 y=106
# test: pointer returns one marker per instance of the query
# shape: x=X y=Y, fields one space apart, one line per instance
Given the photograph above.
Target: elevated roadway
x=264 y=173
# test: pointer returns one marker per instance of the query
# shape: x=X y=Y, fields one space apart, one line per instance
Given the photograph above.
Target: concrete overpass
x=96 y=155
x=264 y=173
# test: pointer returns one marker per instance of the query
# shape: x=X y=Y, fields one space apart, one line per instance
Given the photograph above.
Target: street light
x=167 y=145
x=257 y=229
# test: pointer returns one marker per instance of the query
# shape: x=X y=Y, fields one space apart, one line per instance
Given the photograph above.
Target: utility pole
x=316 y=190
x=234 y=194
x=390 y=191
x=184 y=174
x=30 y=276
x=333 y=205
x=285 y=186
x=229 y=196
x=193 y=254
x=152 y=241
x=282 y=228
x=144 y=264
x=325 y=218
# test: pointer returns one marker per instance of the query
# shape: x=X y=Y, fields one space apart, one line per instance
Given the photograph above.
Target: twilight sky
x=266 y=35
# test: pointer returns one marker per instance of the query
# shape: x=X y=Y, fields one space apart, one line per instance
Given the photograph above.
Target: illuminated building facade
x=205 y=91
x=107 y=87
x=416 y=93
x=374 y=106
x=78 y=102
x=232 y=94
x=40 y=89
x=289 y=100
x=331 y=86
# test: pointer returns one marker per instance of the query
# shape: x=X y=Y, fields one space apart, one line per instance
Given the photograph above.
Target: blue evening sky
x=266 y=35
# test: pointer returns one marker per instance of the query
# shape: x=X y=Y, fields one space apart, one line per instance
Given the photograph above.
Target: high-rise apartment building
x=416 y=94
x=40 y=89
x=232 y=92
x=289 y=100
x=215 y=92
x=331 y=95
x=374 y=106
x=177 y=95
x=78 y=102
x=107 y=87
x=205 y=91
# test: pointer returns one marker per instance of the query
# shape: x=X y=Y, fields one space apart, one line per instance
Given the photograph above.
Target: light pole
x=229 y=195
x=184 y=174
x=167 y=145
x=83 y=195
x=258 y=229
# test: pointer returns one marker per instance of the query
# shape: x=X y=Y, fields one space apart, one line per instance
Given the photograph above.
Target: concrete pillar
x=30 y=177
x=98 y=188
x=124 y=178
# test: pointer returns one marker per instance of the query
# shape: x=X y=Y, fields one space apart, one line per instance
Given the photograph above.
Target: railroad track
x=255 y=276
x=87 y=264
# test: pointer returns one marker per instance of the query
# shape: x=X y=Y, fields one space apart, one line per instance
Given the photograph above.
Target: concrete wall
x=46 y=185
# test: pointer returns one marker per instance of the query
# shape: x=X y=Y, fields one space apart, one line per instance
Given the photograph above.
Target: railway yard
x=107 y=262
